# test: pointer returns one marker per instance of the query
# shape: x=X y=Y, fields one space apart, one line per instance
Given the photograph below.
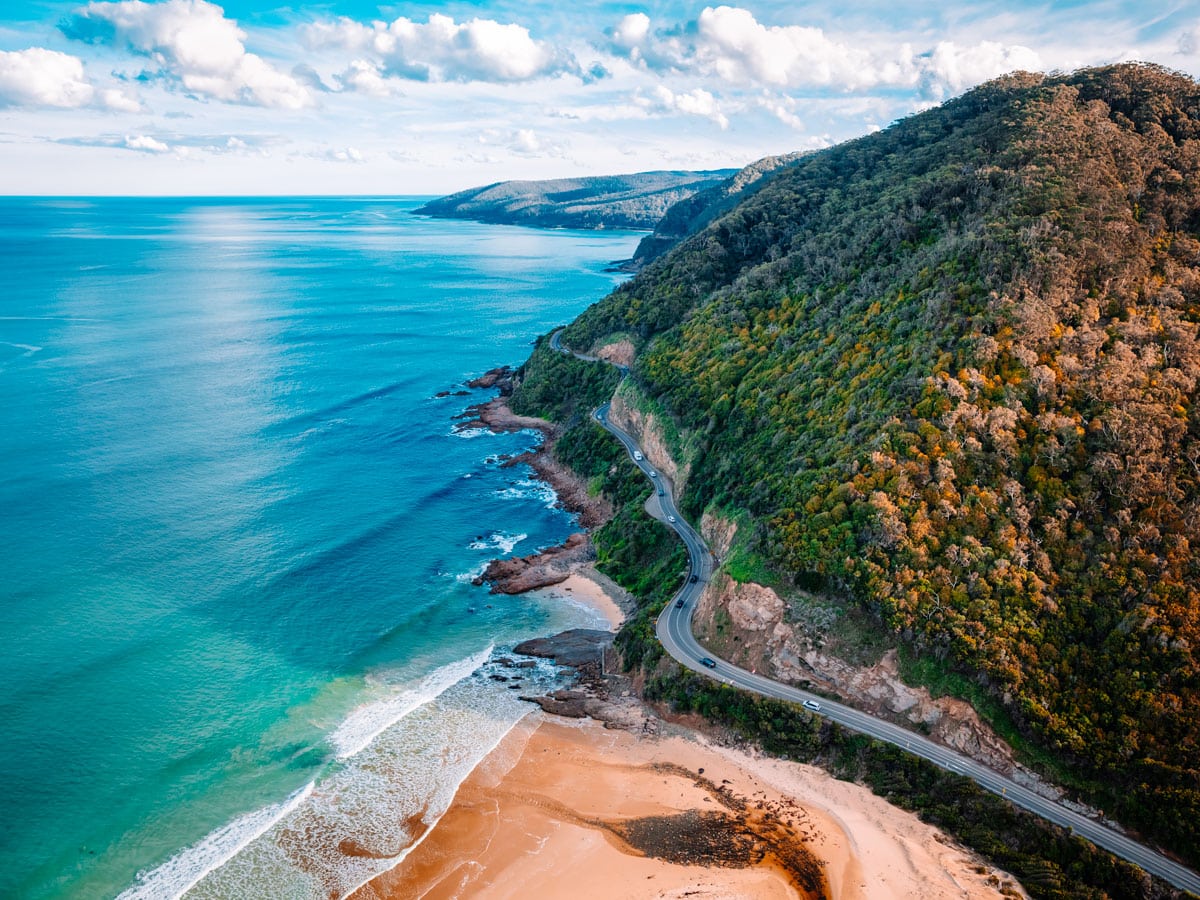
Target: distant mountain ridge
x=637 y=201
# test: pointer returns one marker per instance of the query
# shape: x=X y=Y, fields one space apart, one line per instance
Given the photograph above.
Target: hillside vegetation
x=610 y=201
x=951 y=370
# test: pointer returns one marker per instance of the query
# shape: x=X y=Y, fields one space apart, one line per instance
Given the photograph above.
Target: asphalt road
x=675 y=632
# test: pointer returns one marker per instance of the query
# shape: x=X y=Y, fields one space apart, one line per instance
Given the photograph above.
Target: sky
x=237 y=97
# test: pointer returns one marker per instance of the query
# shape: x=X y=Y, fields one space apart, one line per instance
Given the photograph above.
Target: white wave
x=469 y=577
x=367 y=722
x=188 y=867
x=531 y=490
x=469 y=433
x=440 y=804
x=498 y=540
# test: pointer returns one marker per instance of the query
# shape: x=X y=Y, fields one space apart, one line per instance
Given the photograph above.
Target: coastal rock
x=579 y=648
x=571 y=490
x=519 y=574
x=495 y=415
x=501 y=377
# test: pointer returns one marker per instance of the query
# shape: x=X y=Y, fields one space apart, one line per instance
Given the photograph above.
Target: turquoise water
x=238 y=531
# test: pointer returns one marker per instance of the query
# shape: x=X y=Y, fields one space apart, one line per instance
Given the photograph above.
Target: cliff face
x=752 y=625
x=610 y=201
x=646 y=429
x=952 y=369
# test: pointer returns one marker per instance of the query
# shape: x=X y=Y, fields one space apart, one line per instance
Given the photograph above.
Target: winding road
x=675 y=633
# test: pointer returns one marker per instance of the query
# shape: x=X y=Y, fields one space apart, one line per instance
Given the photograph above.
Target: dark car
x=708 y=663
x=694 y=579
x=679 y=603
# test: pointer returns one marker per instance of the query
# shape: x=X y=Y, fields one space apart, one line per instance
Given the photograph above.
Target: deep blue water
x=237 y=529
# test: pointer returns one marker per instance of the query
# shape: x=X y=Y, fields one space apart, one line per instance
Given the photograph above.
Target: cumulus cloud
x=41 y=77
x=730 y=44
x=146 y=144
x=442 y=49
x=696 y=102
x=366 y=77
x=193 y=43
x=951 y=68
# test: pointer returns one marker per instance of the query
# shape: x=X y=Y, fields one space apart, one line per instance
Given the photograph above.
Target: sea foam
x=188 y=867
x=370 y=720
x=371 y=809
x=498 y=540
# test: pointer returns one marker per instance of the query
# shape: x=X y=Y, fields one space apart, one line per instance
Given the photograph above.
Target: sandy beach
x=570 y=807
x=575 y=809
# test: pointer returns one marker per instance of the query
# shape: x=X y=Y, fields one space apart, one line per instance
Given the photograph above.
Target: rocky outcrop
x=601 y=693
x=496 y=415
x=501 y=377
x=519 y=574
x=579 y=648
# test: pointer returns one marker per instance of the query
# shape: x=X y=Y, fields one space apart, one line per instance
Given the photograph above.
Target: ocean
x=243 y=654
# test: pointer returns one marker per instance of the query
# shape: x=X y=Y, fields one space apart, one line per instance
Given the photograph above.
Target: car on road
x=694 y=579
x=708 y=663
x=653 y=474
x=679 y=603
x=637 y=454
x=671 y=519
x=661 y=492
x=813 y=705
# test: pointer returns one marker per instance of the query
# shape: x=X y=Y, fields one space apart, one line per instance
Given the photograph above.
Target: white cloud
x=783 y=108
x=343 y=155
x=951 y=68
x=145 y=143
x=444 y=50
x=40 y=77
x=728 y=43
x=117 y=101
x=696 y=102
x=366 y=77
x=630 y=34
x=193 y=42
x=523 y=142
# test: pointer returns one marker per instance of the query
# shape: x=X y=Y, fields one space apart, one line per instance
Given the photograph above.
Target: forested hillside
x=609 y=201
x=951 y=369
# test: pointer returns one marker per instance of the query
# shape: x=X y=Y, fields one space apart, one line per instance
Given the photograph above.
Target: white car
x=637 y=454
x=670 y=518
x=653 y=474
x=813 y=705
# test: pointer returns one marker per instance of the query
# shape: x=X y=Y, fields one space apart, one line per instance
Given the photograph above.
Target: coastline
x=615 y=801
x=615 y=813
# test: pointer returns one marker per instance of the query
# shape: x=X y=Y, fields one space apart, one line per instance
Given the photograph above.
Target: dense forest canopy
x=639 y=200
x=951 y=368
